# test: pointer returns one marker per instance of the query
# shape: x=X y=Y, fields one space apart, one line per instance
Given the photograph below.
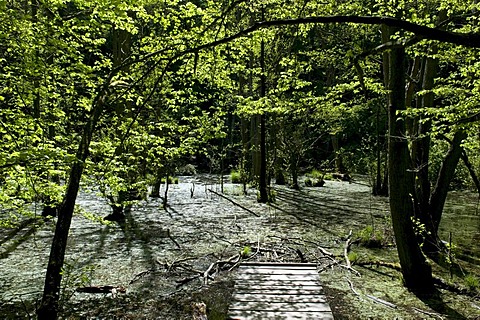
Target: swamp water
x=196 y=231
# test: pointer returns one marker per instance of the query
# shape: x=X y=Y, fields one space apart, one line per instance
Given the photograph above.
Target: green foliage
x=171 y=180
x=74 y=277
x=316 y=174
x=92 y=216
x=370 y=237
x=236 y=176
x=472 y=282
x=246 y=251
x=353 y=257
x=419 y=228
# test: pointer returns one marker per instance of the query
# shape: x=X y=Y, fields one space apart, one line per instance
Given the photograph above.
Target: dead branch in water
x=102 y=289
x=346 y=248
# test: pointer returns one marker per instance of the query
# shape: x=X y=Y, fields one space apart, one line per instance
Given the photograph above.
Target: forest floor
x=170 y=261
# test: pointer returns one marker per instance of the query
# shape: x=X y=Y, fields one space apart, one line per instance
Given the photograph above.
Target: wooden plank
x=285 y=266
x=285 y=297
x=276 y=264
x=297 y=292
x=279 y=306
x=284 y=283
x=278 y=291
x=278 y=271
x=279 y=277
x=284 y=315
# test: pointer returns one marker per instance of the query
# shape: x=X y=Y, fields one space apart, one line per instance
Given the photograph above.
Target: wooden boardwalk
x=278 y=291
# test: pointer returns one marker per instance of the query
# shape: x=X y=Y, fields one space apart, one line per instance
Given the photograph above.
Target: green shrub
x=472 y=282
x=315 y=174
x=369 y=237
x=353 y=257
x=235 y=176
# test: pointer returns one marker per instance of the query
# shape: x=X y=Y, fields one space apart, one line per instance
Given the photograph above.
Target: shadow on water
x=21 y=238
x=135 y=233
x=436 y=303
x=320 y=209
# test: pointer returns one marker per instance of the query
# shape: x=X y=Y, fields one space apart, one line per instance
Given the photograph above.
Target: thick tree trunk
x=416 y=272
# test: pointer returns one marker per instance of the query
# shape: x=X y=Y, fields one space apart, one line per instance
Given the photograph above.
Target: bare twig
x=381 y=301
x=431 y=314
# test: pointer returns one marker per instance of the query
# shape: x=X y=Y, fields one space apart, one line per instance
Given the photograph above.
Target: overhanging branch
x=471 y=40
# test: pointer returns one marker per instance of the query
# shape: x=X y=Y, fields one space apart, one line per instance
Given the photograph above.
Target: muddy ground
x=157 y=255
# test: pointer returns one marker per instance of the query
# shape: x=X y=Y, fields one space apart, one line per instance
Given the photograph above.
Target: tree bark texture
x=416 y=272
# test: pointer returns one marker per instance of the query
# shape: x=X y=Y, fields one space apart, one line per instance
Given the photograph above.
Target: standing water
x=153 y=254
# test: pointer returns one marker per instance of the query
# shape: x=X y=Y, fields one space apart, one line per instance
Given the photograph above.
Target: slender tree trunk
x=377 y=185
x=416 y=272
x=445 y=176
x=263 y=129
x=51 y=293
x=165 y=196
x=421 y=142
x=471 y=170
x=157 y=185
x=339 y=166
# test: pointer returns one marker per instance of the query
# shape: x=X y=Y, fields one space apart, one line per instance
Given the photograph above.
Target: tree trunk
x=48 y=309
x=339 y=166
x=421 y=142
x=416 y=272
x=440 y=191
x=157 y=185
x=263 y=129
x=471 y=170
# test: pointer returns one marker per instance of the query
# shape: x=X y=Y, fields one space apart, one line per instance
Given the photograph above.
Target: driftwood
x=237 y=204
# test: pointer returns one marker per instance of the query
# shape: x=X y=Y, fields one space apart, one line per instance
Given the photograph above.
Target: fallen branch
x=346 y=248
x=375 y=299
x=381 y=301
x=173 y=240
x=102 y=289
x=326 y=253
x=431 y=314
x=390 y=265
x=350 y=284
x=140 y=275
x=237 y=204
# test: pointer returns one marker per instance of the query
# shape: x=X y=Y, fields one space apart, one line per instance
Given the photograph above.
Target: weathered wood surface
x=278 y=291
